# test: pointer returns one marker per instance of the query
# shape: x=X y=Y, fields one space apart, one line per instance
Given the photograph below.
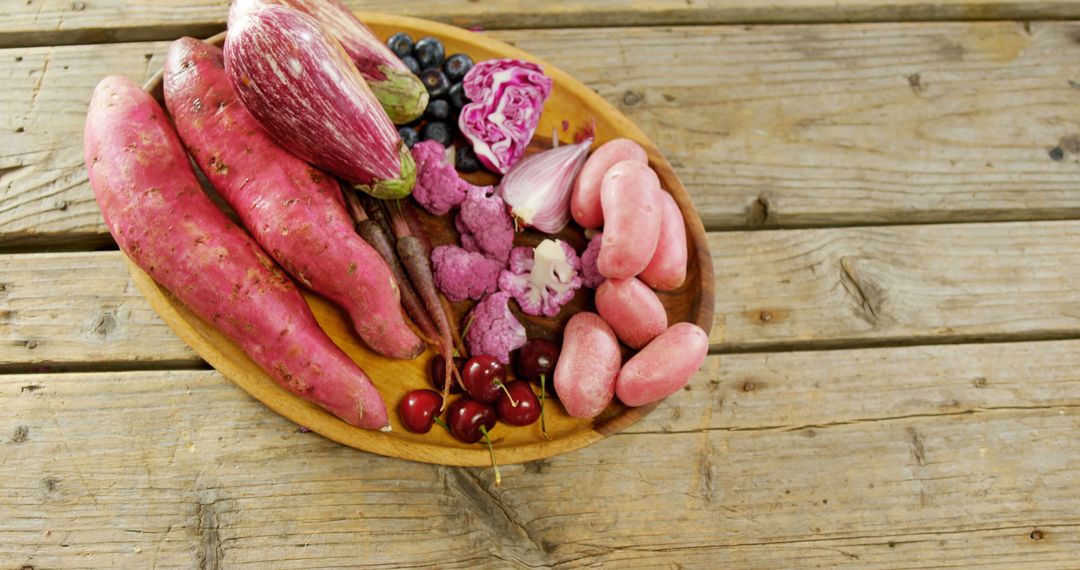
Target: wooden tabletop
x=892 y=191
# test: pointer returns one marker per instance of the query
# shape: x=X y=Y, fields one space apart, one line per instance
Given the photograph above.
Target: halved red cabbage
x=507 y=97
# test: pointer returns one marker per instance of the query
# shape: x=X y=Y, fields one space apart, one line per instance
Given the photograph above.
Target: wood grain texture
x=775 y=290
x=81 y=310
x=778 y=127
x=898 y=284
x=181 y=469
x=56 y=22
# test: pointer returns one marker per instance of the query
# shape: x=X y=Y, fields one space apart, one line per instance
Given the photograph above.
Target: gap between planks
x=107 y=21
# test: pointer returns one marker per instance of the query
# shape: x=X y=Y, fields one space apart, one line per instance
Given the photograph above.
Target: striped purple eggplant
x=401 y=93
x=300 y=86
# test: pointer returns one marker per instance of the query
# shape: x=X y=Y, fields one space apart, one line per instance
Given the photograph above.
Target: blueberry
x=412 y=64
x=401 y=44
x=437 y=131
x=430 y=52
x=409 y=136
x=456 y=94
x=438 y=110
x=436 y=82
x=457 y=66
x=465 y=159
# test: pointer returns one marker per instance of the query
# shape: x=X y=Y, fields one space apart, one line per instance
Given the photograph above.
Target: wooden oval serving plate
x=577 y=105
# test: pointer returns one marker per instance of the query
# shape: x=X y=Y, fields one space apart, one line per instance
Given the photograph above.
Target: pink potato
x=628 y=196
x=293 y=210
x=160 y=217
x=667 y=268
x=664 y=366
x=585 y=197
x=633 y=310
x=588 y=364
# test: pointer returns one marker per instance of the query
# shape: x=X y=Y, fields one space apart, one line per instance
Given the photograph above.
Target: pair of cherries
x=489 y=397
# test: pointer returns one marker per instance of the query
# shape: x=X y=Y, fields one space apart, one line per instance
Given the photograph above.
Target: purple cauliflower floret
x=462 y=274
x=493 y=329
x=507 y=97
x=485 y=225
x=590 y=273
x=544 y=279
x=438 y=187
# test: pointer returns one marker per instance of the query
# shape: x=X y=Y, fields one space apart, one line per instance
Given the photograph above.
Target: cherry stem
x=491 y=450
x=439 y=421
x=502 y=386
x=543 y=397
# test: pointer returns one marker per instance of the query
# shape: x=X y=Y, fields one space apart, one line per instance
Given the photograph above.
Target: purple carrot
x=374 y=235
x=417 y=262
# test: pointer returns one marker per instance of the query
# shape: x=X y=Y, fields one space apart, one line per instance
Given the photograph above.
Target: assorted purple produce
x=316 y=133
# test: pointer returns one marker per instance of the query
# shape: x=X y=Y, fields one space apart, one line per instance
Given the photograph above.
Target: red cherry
x=528 y=405
x=419 y=409
x=437 y=372
x=537 y=357
x=466 y=418
x=483 y=378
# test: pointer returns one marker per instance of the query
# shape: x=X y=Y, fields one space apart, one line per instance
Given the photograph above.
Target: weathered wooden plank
x=56 y=22
x=791 y=391
x=778 y=126
x=896 y=284
x=182 y=469
x=82 y=309
x=775 y=290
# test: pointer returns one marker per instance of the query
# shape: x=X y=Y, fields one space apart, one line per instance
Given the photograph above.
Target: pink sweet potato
x=293 y=210
x=162 y=219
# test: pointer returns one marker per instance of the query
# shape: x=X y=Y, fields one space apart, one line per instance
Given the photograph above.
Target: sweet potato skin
x=162 y=219
x=293 y=210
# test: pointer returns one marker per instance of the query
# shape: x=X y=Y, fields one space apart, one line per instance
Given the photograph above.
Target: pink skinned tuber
x=633 y=310
x=166 y=224
x=628 y=196
x=585 y=199
x=588 y=365
x=664 y=366
x=667 y=268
